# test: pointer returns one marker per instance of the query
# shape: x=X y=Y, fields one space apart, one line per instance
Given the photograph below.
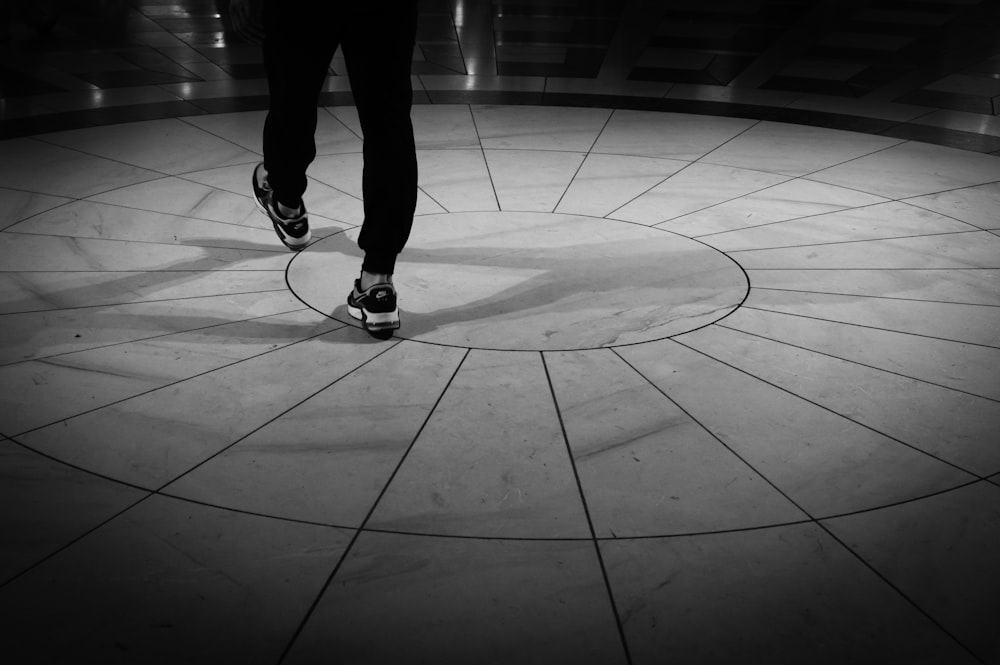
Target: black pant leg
x=378 y=49
x=300 y=39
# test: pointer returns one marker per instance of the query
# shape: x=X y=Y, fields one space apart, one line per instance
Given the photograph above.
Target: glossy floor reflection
x=668 y=387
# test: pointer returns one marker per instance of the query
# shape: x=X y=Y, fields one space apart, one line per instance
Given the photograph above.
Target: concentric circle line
x=758 y=308
x=833 y=412
x=371 y=510
x=586 y=507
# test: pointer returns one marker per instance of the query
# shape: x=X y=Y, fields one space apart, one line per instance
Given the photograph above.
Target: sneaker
x=375 y=307
x=292 y=231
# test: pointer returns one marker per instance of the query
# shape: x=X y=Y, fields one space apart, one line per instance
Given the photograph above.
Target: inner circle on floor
x=532 y=281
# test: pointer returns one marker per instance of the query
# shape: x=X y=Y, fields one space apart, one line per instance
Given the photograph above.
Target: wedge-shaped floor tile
x=875 y=222
x=538 y=127
x=670 y=135
x=39 y=392
x=961 y=367
x=941 y=553
x=796 y=149
x=167 y=146
x=45 y=505
x=645 y=466
x=528 y=180
x=822 y=461
x=695 y=188
x=973 y=324
x=608 y=182
x=492 y=460
x=328 y=459
x=956 y=427
x=171 y=581
x=154 y=438
x=406 y=599
x=970 y=286
x=457 y=179
x=913 y=169
x=782 y=595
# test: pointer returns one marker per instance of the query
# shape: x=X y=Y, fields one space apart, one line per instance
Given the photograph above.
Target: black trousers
x=377 y=39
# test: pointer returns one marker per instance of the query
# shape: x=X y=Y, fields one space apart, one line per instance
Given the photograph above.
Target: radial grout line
x=758 y=308
x=857 y=241
x=583 y=161
x=864 y=296
x=179 y=381
x=813 y=520
x=739 y=134
x=831 y=411
x=780 y=221
x=371 y=511
x=486 y=162
x=341 y=122
x=147 y=302
x=858 y=363
x=436 y=202
x=909 y=202
x=159 y=336
x=186 y=121
x=149 y=242
x=586 y=511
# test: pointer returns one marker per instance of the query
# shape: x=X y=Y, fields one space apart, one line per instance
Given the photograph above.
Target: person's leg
x=300 y=39
x=378 y=48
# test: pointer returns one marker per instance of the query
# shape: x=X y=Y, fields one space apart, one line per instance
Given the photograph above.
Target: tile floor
x=692 y=384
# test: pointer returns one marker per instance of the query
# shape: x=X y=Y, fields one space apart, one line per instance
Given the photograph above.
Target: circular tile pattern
x=577 y=277
x=536 y=282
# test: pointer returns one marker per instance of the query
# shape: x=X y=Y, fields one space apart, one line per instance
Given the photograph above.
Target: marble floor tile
x=647 y=468
x=873 y=222
x=667 y=135
x=859 y=107
x=539 y=127
x=695 y=188
x=166 y=146
x=22 y=292
x=482 y=83
x=913 y=169
x=526 y=180
x=975 y=205
x=440 y=600
x=795 y=595
x=328 y=459
x=972 y=286
x=607 y=182
x=949 y=251
x=796 y=150
x=330 y=209
x=70 y=384
x=825 y=463
x=954 y=365
x=441 y=126
x=612 y=87
x=186 y=198
x=17 y=205
x=732 y=94
x=491 y=461
x=218 y=89
x=972 y=324
x=247 y=130
x=45 y=505
x=790 y=200
x=171 y=581
x=344 y=173
x=953 y=426
x=941 y=554
x=961 y=121
x=34 y=335
x=457 y=179
x=86 y=219
x=39 y=167
x=154 y=438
